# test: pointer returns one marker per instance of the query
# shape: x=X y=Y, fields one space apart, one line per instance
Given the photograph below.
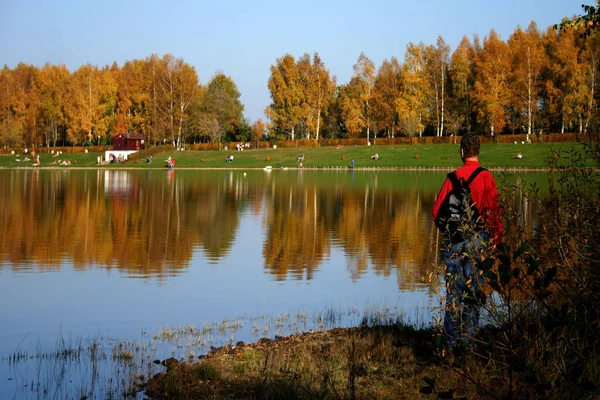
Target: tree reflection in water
x=150 y=223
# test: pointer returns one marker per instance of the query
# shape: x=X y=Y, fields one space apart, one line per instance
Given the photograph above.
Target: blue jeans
x=463 y=286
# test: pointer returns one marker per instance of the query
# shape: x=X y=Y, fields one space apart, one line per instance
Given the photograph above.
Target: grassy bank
x=388 y=362
x=417 y=156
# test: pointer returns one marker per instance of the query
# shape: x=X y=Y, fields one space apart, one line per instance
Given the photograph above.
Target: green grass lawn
x=429 y=156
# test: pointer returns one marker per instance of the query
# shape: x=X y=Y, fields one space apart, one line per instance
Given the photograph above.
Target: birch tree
x=286 y=94
x=358 y=96
x=412 y=104
x=386 y=93
x=436 y=67
x=461 y=81
x=527 y=59
x=491 y=92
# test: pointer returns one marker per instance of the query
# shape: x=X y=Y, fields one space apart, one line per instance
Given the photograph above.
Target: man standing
x=467 y=211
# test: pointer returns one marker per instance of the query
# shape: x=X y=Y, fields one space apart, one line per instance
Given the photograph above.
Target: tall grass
x=108 y=367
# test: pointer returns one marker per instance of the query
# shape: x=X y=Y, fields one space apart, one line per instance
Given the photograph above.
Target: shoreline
x=333 y=168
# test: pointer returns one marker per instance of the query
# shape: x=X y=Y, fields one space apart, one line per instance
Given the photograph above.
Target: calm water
x=121 y=254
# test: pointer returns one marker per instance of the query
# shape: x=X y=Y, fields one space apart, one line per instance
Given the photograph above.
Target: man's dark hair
x=470 y=145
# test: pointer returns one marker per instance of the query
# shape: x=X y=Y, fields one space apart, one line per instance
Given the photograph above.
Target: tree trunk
x=529 y=95
x=442 y=103
x=318 y=123
x=592 y=87
x=437 y=111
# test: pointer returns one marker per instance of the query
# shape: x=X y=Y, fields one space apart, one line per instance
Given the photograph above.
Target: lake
x=184 y=259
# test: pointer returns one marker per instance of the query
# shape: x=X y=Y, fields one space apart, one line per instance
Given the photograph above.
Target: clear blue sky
x=244 y=38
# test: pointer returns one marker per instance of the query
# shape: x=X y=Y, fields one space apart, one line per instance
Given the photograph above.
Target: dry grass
x=358 y=363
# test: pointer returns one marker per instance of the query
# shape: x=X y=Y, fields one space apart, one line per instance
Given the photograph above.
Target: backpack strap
x=457 y=184
x=454 y=180
x=474 y=175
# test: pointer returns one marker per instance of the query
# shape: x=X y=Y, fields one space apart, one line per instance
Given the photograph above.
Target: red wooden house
x=128 y=141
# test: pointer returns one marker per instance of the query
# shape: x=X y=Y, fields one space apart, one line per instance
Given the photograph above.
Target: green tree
x=222 y=99
x=589 y=21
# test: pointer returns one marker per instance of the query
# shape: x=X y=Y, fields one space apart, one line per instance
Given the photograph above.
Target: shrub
x=543 y=305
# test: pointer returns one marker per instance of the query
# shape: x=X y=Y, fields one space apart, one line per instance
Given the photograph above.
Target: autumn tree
x=491 y=92
x=52 y=85
x=590 y=62
x=258 y=131
x=411 y=106
x=527 y=59
x=81 y=103
x=208 y=125
x=358 y=97
x=286 y=94
x=461 y=81
x=20 y=106
x=317 y=92
x=563 y=87
x=134 y=99
x=10 y=131
x=386 y=93
x=436 y=75
x=178 y=85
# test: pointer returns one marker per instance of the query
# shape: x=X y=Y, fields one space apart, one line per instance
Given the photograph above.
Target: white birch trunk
x=318 y=124
x=442 y=103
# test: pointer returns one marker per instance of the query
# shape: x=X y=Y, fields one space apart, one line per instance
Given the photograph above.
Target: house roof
x=133 y=136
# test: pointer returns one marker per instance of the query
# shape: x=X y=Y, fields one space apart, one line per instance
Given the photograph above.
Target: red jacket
x=484 y=195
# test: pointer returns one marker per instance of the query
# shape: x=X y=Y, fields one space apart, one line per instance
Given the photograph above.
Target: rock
x=169 y=362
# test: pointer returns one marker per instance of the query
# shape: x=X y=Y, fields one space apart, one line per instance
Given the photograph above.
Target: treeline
x=536 y=82
x=159 y=98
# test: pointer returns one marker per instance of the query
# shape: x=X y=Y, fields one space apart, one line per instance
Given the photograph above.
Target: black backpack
x=459 y=218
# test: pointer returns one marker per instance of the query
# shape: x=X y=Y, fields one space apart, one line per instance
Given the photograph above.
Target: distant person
x=149 y=160
x=352 y=164
x=468 y=213
x=375 y=157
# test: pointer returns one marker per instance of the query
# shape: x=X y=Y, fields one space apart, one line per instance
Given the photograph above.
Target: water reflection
x=151 y=223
